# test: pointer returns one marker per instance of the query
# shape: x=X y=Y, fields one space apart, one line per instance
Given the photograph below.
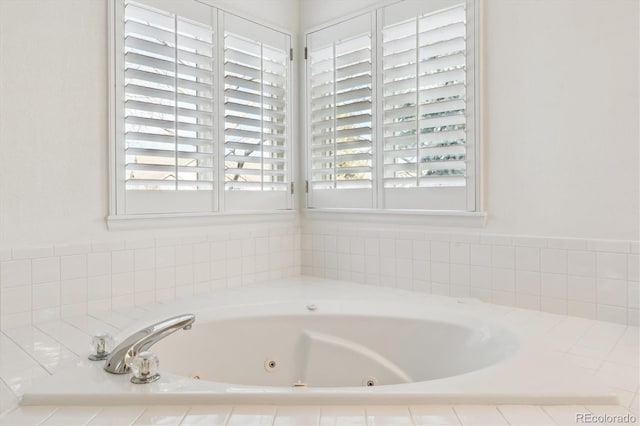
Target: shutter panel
x=340 y=96
x=256 y=115
x=426 y=81
x=168 y=108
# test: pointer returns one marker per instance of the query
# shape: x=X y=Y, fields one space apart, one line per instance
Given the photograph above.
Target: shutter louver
x=341 y=114
x=255 y=115
x=168 y=104
x=424 y=100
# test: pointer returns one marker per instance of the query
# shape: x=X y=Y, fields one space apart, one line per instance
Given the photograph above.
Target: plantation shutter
x=340 y=114
x=427 y=102
x=167 y=72
x=257 y=118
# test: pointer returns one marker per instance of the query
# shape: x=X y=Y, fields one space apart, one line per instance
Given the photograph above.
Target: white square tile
x=612 y=292
x=554 y=286
x=460 y=274
x=247 y=415
x=440 y=251
x=404 y=268
x=480 y=277
x=184 y=253
x=460 y=253
x=430 y=415
x=73 y=266
x=528 y=282
x=98 y=264
x=553 y=305
x=144 y=281
x=202 y=271
x=15 y=273
x=28 y=415
x=387 y=248
x=166 y=256
x=479 y=415
x=480 y=255
x=581 y=309
x=527 y=258
x=404 y=249
x=389 y=415
x=218 y=251
x=46 y=295
x=440 y=289
x=45 y=269
x=440 y=272
x=553 y=260
x=68 y=249
x=528 y=301
x=481 y=294
x=387 y=266
x=297 y=416
x=612 y=265
x=99 y=288
x=610 y=246
x=342 y=416
x=525 y=415
x=162 y=415
x=31 y=252
x=505 y=298
x=73 y=291
x=122 y=261
x=123 y=284
x=211 y=415
x=581 y=289
x=145 y=258
x=421 y=250
x=581 y=263
x=15 y=300
x=633 y=294
x=116 y=416
x=39 y=316
x=460 y=291
x=503 y=257
x=184 y=274
x=633 y=267
x=564 y=414
x=356 y=245
x=503 y=279
x=614 y=314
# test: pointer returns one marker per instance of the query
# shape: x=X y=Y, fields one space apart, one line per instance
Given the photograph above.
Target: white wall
x=560 y=116
x=53 y=110
x=545 y=61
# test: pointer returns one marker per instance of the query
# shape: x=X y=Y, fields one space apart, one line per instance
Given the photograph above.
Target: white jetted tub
x=310 y=350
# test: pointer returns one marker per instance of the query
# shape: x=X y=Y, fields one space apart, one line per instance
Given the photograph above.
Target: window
x=391 y=101
x=201 y=107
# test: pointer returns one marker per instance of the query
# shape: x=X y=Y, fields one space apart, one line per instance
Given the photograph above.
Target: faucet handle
x=101 y=346
x=145 y=368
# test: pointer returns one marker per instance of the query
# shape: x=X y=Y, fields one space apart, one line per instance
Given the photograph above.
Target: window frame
x=118 y=217
x=470 y=217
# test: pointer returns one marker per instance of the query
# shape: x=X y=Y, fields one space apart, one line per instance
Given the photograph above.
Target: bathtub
x=295 y=347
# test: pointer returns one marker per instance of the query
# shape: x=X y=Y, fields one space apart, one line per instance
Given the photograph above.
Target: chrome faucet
x=118 y=360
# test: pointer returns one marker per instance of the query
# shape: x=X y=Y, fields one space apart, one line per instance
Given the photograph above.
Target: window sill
x=134 y=222
x=405 y=217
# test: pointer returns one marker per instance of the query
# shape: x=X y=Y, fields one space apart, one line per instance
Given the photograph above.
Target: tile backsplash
x=595 y=279
x=44 y=283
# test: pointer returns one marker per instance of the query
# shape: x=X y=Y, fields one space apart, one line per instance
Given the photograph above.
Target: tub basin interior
x=331 y=350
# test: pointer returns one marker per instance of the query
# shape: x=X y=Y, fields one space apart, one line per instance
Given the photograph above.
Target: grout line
x=55 y=410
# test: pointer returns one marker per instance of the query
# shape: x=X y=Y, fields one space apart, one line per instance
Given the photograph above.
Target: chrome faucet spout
x=117 y=363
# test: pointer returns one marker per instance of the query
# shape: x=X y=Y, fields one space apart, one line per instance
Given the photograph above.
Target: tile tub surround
x=44 y=283
x=594 y=279
x=603 y=350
